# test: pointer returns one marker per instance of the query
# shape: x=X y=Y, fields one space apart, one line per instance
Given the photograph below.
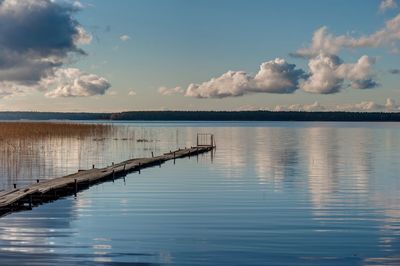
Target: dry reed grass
x=27 y=148
x=37 y=130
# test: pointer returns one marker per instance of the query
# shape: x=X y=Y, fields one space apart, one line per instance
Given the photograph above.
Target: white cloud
x=82 y=37
x=365 y=106
x=387 y=4
x=324 y=42
x=328 y=73
x=132 y=93
x=248 y=107
x=125 y=38
x=170 y=91
x=359 y=74
x=276 y=76
x=391 y=105
x=112 y=93
x=71 y=82
x=323 y=77
x=300 y=107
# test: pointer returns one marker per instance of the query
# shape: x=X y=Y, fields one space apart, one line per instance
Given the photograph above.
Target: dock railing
x=205 y=140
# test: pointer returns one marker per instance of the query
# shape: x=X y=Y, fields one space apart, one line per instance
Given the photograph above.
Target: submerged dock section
x=50 y=190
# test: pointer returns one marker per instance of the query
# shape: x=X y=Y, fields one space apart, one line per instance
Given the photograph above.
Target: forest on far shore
x=206 y=116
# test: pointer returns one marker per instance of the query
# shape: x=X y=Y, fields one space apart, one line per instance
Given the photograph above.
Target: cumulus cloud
x=328 y=74
x=125 y=38
x=276 y=76
x=387 y=4
x=36 y=39
x=71 y=82
x=170 y=91
x=300 y=107
x=132 y=93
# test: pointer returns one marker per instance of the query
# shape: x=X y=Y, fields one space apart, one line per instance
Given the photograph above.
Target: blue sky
x=176 y=43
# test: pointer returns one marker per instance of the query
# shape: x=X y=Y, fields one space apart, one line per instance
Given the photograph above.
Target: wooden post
x=124 y=167
x=15 y=185
x=152 y=154
x=75 y=186
x=139 y=167
x=113 y=175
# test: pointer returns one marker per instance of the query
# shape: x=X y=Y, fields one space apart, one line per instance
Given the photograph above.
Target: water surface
x=277 y=193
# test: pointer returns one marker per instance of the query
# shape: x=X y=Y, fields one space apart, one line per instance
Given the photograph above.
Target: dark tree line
x=206 y=116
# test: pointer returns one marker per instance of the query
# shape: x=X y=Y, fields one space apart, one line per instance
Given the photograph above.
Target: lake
x=272 y=193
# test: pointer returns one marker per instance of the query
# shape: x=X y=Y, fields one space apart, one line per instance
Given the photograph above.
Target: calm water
x=281 y=193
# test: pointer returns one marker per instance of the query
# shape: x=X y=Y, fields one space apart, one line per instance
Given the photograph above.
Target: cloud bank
x=327 y=73
x=37 y=37
x=366 y=106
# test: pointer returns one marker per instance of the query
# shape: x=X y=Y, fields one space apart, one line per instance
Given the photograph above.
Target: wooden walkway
x=50 y=190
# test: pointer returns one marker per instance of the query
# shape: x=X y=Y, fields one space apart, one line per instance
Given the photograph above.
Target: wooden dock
x=49 y=190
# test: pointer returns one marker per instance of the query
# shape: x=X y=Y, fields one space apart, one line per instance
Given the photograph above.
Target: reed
x=43 y=149
x=37 y=130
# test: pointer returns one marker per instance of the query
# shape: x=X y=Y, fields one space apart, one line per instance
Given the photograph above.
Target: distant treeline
x=51 y=115
x=206 y=116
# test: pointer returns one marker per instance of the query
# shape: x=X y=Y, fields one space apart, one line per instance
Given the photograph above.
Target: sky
x=121 y=55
